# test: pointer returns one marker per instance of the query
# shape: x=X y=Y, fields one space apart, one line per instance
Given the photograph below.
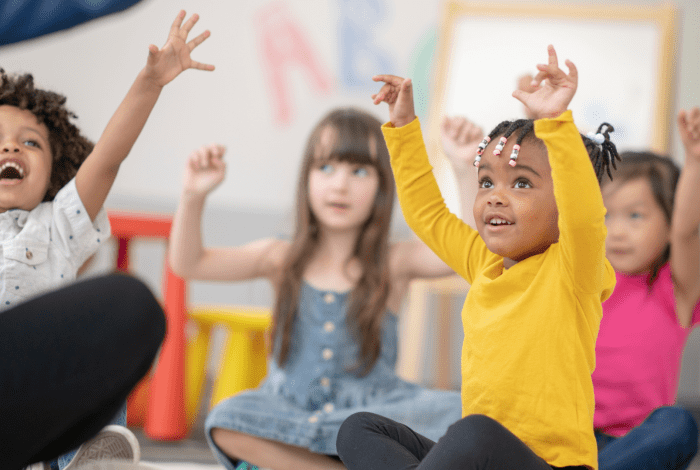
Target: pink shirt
x=638 y=352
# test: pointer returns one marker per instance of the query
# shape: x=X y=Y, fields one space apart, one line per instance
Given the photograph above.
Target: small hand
x=551 y=98
x=460 y=139
x=167 y=63
x=689 y=127
x=397 y=92
x=525 y=84
x=205 y=169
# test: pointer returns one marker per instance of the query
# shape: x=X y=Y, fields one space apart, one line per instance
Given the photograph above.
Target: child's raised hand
x=525 y=83
x=551 y=98
x=205 y=169
x=397 y=92
x=460 y=139
x=689 y=127
x=167 y=63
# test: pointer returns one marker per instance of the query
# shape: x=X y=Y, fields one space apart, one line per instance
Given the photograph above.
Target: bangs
x=350 y=143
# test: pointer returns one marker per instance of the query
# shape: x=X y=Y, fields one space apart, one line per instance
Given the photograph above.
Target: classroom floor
x=193 y=453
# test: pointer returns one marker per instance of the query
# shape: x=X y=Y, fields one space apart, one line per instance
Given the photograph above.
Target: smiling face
x=25 y=159
x=341 y=192
x=515 y=209
x=638 y=230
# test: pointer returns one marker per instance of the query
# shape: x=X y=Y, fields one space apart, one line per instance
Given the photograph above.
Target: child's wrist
x=193 y=196
x=149 y=81
x=550 y=114
x=404 y=121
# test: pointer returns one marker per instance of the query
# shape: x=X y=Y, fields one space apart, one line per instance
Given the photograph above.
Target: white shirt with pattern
x=42 y=249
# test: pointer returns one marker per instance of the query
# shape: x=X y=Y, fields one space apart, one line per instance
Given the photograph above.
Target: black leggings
x=368 y=441
x=68 y=360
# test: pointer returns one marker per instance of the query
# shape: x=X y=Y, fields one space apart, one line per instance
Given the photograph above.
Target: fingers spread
x=198 y=40
x=388 y=79
x=541 y=75
x=190 y=23
x=175 y=28
x=200 y=66
x=552 y=56
x=573 y=71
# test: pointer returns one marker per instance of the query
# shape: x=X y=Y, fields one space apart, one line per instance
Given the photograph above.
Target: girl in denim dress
x=339 y=284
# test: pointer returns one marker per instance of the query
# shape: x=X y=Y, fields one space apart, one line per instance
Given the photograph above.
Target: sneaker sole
x=111 y=443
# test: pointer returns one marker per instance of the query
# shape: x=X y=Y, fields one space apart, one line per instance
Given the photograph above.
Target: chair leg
x=235 y=366
x=196 y=371
x=258 y=360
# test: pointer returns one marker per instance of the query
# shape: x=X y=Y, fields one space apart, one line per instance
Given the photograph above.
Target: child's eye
x=326 y=168
x=362 y=172
x=522 y=184
x=485 y=183
x=32 y=143
x=635 y=215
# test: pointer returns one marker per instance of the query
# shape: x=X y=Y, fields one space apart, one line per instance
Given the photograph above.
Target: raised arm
x=204 y=171
x=97 y=174
x=576 y=189
x=685 y=240
x=460 y=139
x=419 y=195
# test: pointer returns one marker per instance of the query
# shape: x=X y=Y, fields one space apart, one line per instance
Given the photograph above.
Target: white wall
x=94 y=64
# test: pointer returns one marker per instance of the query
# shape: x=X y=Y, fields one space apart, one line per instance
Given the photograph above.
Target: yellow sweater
x=529 y=331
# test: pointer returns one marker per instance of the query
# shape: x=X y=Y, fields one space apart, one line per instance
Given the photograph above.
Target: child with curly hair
x=53 y=181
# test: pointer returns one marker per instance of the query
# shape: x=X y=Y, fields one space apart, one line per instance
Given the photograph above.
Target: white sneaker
x=36 y=466
x=112 y=443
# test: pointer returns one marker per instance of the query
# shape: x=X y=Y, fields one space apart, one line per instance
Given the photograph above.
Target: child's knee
x=353 y=428
x=137 y=305
x=477 y=436
x=679 y=424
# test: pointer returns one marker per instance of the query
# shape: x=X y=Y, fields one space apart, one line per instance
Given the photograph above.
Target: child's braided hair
x=68 y=147
x=602 y=154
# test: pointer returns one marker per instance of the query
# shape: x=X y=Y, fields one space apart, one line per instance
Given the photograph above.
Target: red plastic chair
x=158 y=402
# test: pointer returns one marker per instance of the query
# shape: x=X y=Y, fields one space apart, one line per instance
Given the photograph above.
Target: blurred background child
x=652 y=219
x=339 y=284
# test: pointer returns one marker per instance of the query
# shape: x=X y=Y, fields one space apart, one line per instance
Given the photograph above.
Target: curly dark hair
x=68 y=147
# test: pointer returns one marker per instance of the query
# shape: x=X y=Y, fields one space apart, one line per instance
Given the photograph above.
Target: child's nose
x=497 y=198
x=10 y=147
x=341 y=179
x=615 y=228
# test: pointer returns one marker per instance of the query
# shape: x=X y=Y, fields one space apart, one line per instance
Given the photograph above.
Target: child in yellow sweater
x=537 y=267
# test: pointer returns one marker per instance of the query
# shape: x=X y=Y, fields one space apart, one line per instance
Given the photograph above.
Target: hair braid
x=602 y=152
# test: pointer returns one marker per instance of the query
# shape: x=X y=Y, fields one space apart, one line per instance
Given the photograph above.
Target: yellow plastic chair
x=243 y=361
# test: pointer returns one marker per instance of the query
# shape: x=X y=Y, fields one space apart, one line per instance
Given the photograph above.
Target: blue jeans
x=667 y=439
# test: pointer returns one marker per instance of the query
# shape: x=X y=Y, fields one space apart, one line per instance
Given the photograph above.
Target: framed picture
x=625 y=56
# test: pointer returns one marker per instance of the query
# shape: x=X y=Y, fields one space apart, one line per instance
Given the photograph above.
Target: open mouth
x=10 y=170
x=497 y=221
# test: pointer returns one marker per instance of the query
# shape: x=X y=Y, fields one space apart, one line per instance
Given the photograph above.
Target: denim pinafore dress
x=305 y=402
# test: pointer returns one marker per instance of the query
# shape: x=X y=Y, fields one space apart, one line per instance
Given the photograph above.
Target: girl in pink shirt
x=653 y=243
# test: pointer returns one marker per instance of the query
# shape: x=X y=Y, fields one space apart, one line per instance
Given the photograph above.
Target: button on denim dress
x=304 y=402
